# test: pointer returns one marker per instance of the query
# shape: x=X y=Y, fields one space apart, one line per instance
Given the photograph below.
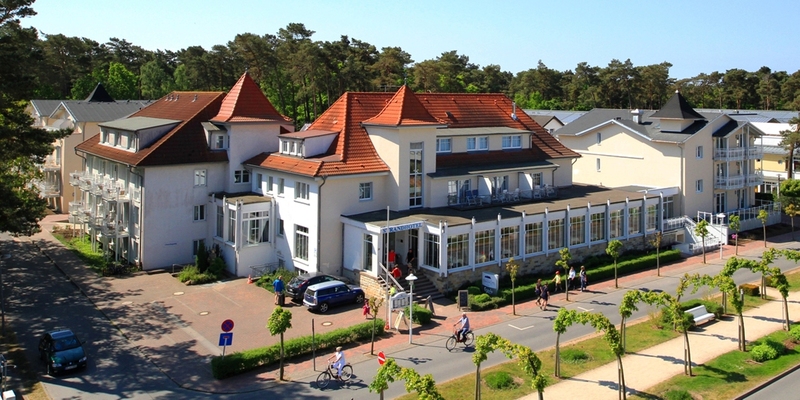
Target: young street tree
x=613 y=250
x=375 y=304
x=279 y=322
x=655 y=241
x=762 y=216
x=563 y=263
x=701 y=229
x=735 y=224
x=513 y=268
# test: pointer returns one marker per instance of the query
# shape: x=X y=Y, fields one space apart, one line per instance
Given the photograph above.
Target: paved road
x=783 y=388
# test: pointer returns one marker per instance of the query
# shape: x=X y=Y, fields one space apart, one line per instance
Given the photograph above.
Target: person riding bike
x=338 y=361
x=461 y=334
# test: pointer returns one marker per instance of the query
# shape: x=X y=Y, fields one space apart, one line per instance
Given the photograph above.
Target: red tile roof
x=185 y=143
x=352 y=151
x=403 y=109
x=246 y=103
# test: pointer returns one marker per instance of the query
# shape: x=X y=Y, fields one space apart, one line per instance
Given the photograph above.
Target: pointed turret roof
x=403 y=109
x=100 y=95
x=677 y=108
x=247 y=103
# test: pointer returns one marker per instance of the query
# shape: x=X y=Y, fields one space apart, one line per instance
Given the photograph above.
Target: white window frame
x=199 y=213
x=219 y=141
x=196 y=245
x=269 y=183
x=365 y=191
x=478 y=143
x=199 y=177
x=699 y=186
x=281 y=186
x=597 y=162
x=301 y=242
x=301 y=191
x=512 y=142
x=699 y=152
x=444 y=145
x=220 y=228
x=241 y=176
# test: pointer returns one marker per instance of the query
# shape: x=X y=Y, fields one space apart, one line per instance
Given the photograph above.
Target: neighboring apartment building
x=702 y=163
x=83 y=117
x=774 y=163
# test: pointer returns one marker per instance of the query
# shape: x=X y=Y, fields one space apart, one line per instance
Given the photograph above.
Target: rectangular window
x=200 y=212
x=285 y=146
x=301 y=191
x=536 y=179
x=301 y=242
x=281 y=231
x=256 y=225
x=555 y=234
x=478 y=143
x=259 y=182
x=699 y=151
x=509 y=241
x=699 y=186
x=241 y=176
x=533 y=238
x=634 y=220
x=443 y=145
x=598 y=228
x=220 y=221
x=599 y=138
x=219 y=142
x=369 y=249
x=512 y=142
x=197 y=244
x=365 y=191
x=457 y=251
x=597 y=161
x=652 y=211
x=577 y=230
x=280 y=186
x=431 y=250
x=269 y=183
x=199 y=177
x=484 y=246
x=232 y=226
x=615 y=227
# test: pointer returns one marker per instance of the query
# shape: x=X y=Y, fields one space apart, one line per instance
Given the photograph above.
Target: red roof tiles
x=403 y=109
x=246 y=103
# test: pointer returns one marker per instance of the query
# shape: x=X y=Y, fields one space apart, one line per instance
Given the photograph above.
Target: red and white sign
x=227 y=325
x=381 y=358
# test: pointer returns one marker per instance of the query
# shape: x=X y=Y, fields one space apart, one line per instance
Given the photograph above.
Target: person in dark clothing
x=545 y=296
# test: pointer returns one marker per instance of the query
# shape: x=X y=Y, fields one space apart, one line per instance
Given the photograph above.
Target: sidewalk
x=177 y=326
x=660 y=363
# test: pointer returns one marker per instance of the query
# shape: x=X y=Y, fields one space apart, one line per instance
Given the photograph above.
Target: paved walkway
x=177 y=326
x=659 y=363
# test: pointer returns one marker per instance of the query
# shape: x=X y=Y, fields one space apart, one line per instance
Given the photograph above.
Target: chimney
x=637 y=116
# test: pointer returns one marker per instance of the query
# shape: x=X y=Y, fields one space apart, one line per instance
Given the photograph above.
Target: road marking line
x=586 y=309
x=522 y=329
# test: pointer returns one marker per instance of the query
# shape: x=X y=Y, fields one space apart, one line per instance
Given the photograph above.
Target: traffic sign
x=381 y=358
x=227 y=325
x=226 y=339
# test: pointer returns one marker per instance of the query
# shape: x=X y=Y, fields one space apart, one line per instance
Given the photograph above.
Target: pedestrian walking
x=583 y=278
x=545 y=296
x=278 y=286
x=366 y=309
x=556 y=281
x=571 y=278
x=538 y=292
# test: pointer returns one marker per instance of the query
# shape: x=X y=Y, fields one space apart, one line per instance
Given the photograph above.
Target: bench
x=700 y=314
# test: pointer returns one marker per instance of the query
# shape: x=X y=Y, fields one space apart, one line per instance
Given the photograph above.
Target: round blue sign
x=227 y=325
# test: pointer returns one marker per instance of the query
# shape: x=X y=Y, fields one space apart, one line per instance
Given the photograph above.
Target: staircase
x=423 y=287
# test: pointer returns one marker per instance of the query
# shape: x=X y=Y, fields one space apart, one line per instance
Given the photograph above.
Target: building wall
x=698 y=169
x=246 y=140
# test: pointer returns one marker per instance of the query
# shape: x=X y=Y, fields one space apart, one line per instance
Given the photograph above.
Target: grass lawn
x=82 y=246
x=728 y=375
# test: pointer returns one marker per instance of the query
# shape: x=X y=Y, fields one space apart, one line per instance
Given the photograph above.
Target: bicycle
x=326 y=376
x=469 y=337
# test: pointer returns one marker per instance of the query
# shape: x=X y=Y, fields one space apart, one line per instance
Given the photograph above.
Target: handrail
x=391 y=278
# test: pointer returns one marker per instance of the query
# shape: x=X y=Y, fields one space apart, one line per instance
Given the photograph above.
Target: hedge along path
x=529 y=362
x=599 y=322
x=424 y=386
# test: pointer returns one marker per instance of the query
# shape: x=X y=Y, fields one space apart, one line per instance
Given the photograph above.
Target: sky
x=699 y=36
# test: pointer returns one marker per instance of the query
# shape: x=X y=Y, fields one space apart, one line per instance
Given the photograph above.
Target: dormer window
x=443 y=145
x=512 y=142
x=478 y=143
x=218 y=141
x=292 y=147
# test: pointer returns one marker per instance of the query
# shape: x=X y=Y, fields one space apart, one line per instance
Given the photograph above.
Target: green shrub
x=763 y=352
x=474 y=290
x=499 y=380
x=421 y=315
x=482 y=298
x=191 y=275
x=243 y=361
x=217 y=267
x=777 y=346
x=574 y=356
x=678 y=395
x=201 y=259
x=265 y=281
x=795 y=333
x=750 y=289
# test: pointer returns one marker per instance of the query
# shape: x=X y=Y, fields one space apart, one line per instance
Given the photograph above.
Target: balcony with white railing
x=755 y=179
x=51 y=163
x=755 y=152
x=136 y=195
x=48 y=189
x=75 y=208
x=729 y=154
x=113 y=228
x=729 y=182
x=75 y=178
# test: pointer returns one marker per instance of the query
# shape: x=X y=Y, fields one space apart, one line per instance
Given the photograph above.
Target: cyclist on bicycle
x=338 y=361
x=464 y=321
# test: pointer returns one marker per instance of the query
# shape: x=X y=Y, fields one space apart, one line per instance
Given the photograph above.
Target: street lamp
x=411 y=278
x=721 y=221
x=4 y=257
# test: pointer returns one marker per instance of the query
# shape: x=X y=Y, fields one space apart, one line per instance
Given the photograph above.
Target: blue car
x=61 y=351
x=322 y=296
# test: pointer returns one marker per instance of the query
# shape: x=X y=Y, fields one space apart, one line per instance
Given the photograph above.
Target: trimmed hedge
x=795 y=333
x=482 y=301
x=422 y=315
x=763 y=352
x=243 y=361
x=750 y=289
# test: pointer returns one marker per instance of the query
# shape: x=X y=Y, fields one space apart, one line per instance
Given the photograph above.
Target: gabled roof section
x=87 y=111
x=184 y=144
x=100 y=95
x=404 y=109
x=677 y=108
x=246 y=103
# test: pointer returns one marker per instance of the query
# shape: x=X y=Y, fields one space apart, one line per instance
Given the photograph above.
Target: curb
x=767 y=383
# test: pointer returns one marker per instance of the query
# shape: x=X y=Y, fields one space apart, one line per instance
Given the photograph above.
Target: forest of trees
x=302 y=77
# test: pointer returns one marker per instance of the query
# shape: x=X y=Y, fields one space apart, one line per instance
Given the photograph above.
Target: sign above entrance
x=404 y=227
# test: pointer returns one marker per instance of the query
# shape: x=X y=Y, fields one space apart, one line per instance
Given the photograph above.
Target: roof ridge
x=246 y=100
x=404 y=108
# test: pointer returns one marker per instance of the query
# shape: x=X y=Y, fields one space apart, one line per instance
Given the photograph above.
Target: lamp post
x=411 y=278
x=721 y=220
x=4 y=257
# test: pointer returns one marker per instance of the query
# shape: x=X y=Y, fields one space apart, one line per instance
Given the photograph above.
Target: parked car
x=61 y=351
x=322 y=296
x=298 y=285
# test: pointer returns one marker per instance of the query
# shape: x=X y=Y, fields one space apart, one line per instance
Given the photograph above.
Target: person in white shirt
x=464 y=321
x=338 y=361
x=571 y=278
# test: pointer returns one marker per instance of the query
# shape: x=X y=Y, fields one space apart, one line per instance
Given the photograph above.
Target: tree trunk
x=513 y=301
x=622 y=333
x=765 y=235
x=478 y=383
x=742 y=346
x=687 y=368
x=558 y=357
x=622 y=394
x=658 y=263
x=724 y=302
x=280 y=376
x=615 y=274
x=372 y=345
x=704 y=249
x=737 y=243
x=786 y=314
x=763 y=286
